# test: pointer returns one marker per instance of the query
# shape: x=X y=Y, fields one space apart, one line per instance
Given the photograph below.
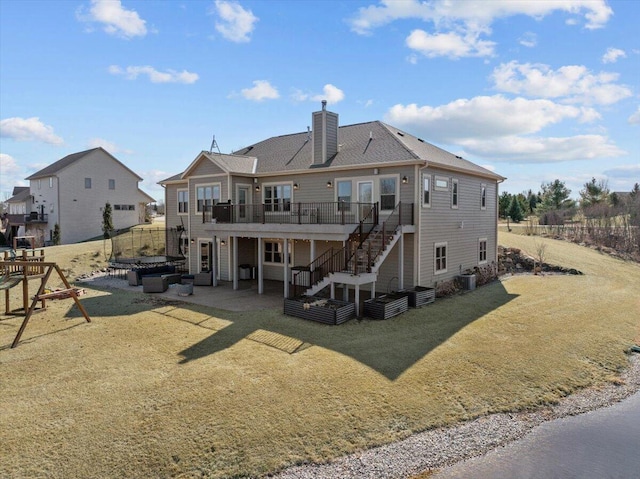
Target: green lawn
x=153 y=390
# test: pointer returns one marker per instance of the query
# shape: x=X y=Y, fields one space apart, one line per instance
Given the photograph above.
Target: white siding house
x=73 y=191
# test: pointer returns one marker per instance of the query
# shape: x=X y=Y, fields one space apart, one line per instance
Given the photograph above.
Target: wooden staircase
x=364 y=253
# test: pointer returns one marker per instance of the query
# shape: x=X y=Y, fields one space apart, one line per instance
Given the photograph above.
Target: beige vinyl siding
x=460 y=228
x=172 y=219
x=206 y=167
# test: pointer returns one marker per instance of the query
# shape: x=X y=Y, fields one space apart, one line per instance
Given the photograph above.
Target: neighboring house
x=73 y=191
x=20 y=220
x=364 y=205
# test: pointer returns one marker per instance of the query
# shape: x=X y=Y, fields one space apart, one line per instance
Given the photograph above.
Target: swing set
x=16 y=271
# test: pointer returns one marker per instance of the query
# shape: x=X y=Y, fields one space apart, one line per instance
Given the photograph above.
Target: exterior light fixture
x=405 y=180
x=296 y=186
x=257 y=187
x=223 y=243
x=329 y=184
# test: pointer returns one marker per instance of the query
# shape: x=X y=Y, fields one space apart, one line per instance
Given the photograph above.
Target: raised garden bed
x=387 y=306
x=419 y=296
x=327 y=311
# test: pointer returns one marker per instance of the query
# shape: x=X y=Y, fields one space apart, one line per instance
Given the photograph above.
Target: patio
x=223 y=296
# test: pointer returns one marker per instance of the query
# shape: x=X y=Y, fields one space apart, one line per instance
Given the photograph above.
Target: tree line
x=553 y=204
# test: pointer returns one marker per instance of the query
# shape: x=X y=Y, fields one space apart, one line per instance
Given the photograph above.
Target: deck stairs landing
x=365 y=261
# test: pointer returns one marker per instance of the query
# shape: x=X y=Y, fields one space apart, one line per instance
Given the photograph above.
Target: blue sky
x=534 y=90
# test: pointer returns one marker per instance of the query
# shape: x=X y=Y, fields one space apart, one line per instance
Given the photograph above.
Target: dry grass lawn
x=151 y=389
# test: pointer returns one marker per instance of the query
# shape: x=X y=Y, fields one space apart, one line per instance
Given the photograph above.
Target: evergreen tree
x=503 y=204
x=56 y=234
x=107 y=221
x=515 y=210
x=594 y=193
x=554 y=196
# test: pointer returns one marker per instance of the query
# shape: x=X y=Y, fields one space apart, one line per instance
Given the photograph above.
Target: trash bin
x=244 y=271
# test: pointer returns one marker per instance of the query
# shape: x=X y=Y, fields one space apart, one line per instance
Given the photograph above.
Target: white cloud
x=443 y=13
x=107 y=145
x=236 y=23
x=12 y=175
x=451 y=44
x=485 y=117
x=634 y=119
x=116 y=20
x=28 y=129
x=155 y=76
x=612 y=55
x=528 y=39
x=624 y=171
x=459 y=25
x=516 y=149
x=330 y=93
x=262 y=90
x=502 y=129
x=572 y=83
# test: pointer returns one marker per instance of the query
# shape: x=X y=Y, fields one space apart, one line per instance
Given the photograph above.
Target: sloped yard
x=152 y=389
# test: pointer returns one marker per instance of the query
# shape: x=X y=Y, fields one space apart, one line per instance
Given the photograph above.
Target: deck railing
x=361 y=251
x=325 y=213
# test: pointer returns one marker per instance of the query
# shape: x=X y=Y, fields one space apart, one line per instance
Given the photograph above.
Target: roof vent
x=400 y=133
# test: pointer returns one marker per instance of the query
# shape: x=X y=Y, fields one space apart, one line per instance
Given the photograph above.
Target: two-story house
x=363 y=206
x=73 y=191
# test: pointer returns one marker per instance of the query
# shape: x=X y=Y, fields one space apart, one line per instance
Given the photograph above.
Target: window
x=442 y=183
x=482 y=250
x=39 y=184
x=87 y=183
x=116 y=207
x=274 y=252
x=207 y=196
x=440 y=254
x=345 y=190
x=454 y=194
x=51 y=182
x=277 y=197
x=483 y=197
x=132 y=207
x=183 y=201
x=112 y=184
x=387 y=193
x=426 y=190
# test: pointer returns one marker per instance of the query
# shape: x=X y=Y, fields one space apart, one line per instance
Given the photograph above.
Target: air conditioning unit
x=468 y=281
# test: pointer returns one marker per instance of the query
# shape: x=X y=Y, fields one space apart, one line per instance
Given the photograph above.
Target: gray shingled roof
x=59 y=165
x=20 y=194
x=373 y=144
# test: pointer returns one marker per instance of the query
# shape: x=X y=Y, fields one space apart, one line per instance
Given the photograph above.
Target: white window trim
x=186 y=213
x=483 y=196
x=204 y=185
x=435 y=248
x=396 y=179
x=263 y=192
x=441 y=188
x=486 y=245
x=428 y=177
x=281 y=242
x=51 y=182
x=457 y=193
